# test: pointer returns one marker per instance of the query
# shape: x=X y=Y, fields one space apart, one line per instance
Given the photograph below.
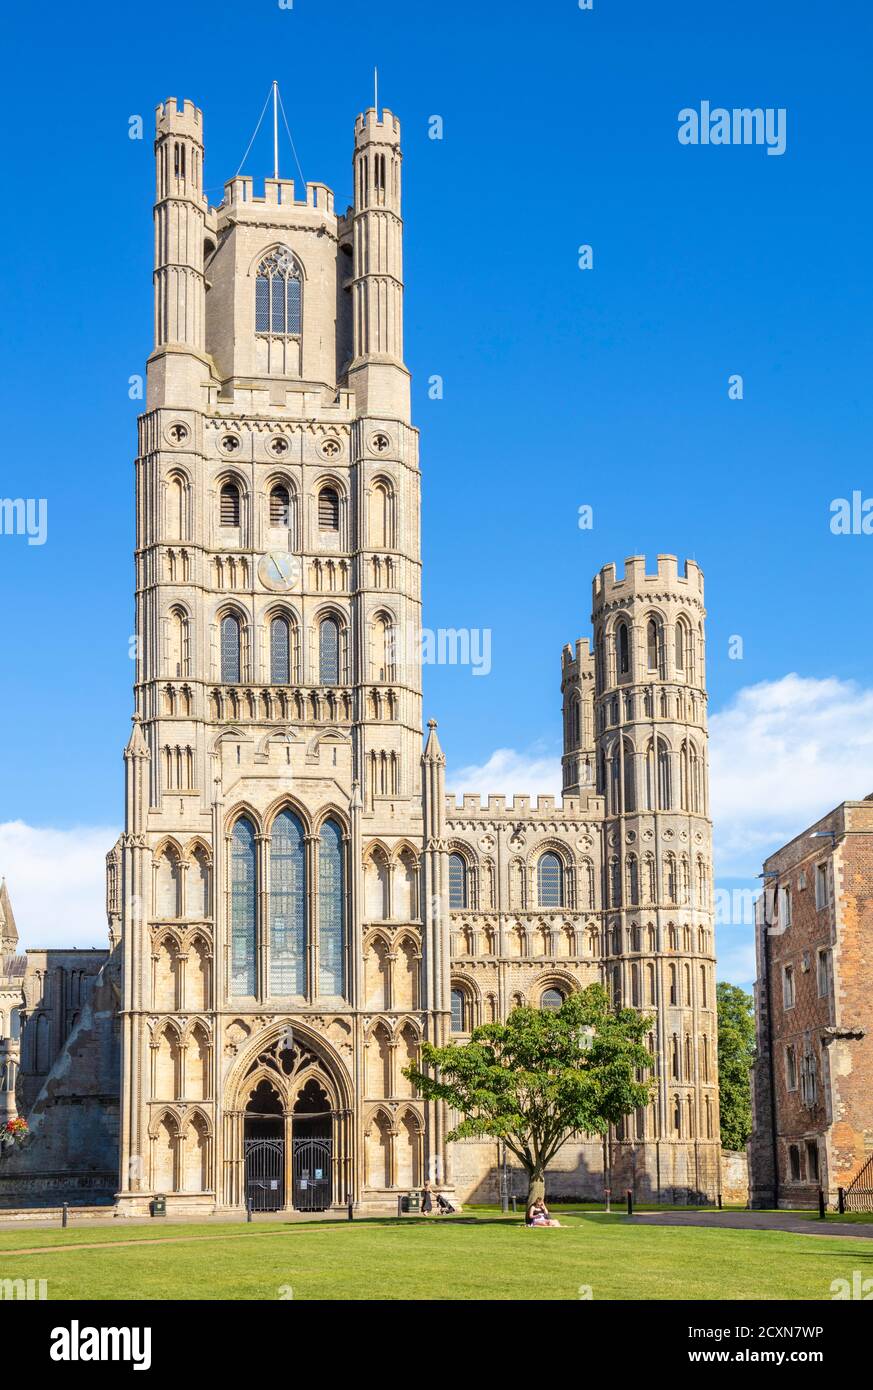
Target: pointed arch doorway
x=264 y=1149
x=288 y=1126
x=312 y=1148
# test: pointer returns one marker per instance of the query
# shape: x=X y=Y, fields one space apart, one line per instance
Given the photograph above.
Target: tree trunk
x=536 y=1186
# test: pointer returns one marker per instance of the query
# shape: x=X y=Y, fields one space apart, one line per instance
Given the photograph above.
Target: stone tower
x=274 y=787
x=652 y=772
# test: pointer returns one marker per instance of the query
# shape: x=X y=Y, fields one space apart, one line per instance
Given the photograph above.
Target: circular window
x=380 y=443
x=552 y=999
x=330 y=448
x=178 y=432
x=279 y=445
x=230 y=443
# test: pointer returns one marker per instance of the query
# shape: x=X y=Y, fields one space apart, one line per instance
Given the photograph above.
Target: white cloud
x=782 y=753
x=56 y=882
x=507 y=771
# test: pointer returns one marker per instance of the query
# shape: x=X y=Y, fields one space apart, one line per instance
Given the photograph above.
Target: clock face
x=280 y=571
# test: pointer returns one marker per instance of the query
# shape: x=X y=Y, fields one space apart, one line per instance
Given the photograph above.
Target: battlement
x=369 y=129
x=184 y=120
x=240 y=191
x=607 y=585
x=578 y=660
x=495 y=806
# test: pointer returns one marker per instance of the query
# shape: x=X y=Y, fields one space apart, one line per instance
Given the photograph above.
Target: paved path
x=756 y=1221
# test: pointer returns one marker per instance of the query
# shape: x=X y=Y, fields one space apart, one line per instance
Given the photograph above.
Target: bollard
x=65 y=1212
x=514 y=1204
x=248 y=1208
x=351 y=1210
x=630 y=1202
x=607 y=1191
x=822 y=1206
x=841 y=1200
x=719 y=1201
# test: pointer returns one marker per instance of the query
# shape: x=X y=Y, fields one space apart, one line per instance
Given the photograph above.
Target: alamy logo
x=75 y=1343
x=24 y=516
x=742 y=125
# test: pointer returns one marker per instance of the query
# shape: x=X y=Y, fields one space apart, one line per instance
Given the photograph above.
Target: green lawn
x=486 y=1257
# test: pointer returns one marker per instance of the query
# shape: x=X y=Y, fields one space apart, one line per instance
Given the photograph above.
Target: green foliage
x=531 y=1081
x=736 y=1053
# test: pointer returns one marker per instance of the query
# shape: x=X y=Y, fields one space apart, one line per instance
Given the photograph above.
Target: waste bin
x=413 y=1202
x=159 y=1205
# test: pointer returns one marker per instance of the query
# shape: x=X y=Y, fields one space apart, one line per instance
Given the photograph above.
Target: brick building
x=813 y=1077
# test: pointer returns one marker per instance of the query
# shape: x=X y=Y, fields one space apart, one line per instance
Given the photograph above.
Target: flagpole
x=275 y=132
x=376 y=91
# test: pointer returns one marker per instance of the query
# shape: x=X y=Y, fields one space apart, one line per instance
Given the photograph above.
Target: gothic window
x=383 y=648
x=654 y=645
x=287 y=906
x=550 y=881
x=331 y=910
x=328 y=652
x=674 y=985
x=280 y=506
x=328 y=509
x=622 y=650
x=614 y=882
x=178 y=654
x=680 y=635
x=633 y=881
x=460 y=1011
x=277 y=294
x=457 y=881
x=280 y=652
x=551 y=999
x=242 y=908
x=230 y=649
x=229 y=506
x=630 y=792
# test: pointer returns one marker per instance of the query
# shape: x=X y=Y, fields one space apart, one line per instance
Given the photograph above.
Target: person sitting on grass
x=538 y=1215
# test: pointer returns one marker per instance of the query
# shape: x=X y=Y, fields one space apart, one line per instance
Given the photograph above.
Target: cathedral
x=295 y=902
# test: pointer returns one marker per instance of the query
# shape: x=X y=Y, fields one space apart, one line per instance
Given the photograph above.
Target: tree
x=736 y=1053
x=539 y=1078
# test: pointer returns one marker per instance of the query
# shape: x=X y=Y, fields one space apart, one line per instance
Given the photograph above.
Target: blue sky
x=562 y=387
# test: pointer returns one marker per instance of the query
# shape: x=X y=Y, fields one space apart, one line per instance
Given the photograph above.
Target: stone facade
x=813 y=1078
x=295 y=903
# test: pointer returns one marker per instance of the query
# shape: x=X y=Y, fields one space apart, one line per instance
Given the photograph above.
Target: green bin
x=159 y=1206
x=413 y=1202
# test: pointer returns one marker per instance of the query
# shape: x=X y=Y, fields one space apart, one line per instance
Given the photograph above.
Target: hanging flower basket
x=13 y=1132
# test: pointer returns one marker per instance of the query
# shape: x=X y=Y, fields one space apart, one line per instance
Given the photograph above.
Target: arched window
x=280 y=652
x=287 y=906
x=277 y=294
x=229 y=508
x=243 y=928
x=681 y=642
x=328 y=652
x=550 y=881
x=177 y=656
x=630 y=786
x=622 y=650
x=230 y=649
x=457 y=881
x=331 y=911
x=280 y=506
x=665 y=788
x=460 y=1011
x=653 y=644
x=552 y=999
x=328 y=509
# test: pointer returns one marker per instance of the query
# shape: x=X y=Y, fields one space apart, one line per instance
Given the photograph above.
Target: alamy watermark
x=24 y=516
x=741 y=125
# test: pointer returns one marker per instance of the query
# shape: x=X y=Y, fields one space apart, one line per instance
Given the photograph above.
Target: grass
x=485 y=1256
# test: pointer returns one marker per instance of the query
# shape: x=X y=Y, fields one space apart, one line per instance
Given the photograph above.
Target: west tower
x=274 y=786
